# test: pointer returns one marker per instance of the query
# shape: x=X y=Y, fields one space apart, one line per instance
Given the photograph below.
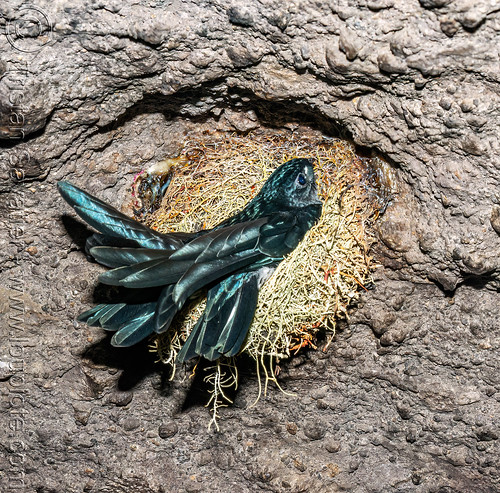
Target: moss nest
x=313 y=287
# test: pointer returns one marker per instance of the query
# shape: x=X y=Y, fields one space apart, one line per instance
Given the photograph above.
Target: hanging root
x=221 y=377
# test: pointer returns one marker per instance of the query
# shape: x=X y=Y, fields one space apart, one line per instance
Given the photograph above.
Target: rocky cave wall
x=407 y=396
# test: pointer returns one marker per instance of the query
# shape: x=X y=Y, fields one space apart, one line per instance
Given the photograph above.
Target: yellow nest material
x=315 y=284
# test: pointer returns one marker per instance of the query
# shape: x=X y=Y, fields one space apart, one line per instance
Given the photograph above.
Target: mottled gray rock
x=407 y=397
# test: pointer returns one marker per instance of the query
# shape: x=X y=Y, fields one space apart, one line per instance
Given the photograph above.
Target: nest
x=312 y=287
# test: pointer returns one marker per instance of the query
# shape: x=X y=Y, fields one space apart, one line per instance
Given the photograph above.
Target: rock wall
x=407 y=397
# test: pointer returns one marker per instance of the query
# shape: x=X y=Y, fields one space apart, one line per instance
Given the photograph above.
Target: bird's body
x=232 y=260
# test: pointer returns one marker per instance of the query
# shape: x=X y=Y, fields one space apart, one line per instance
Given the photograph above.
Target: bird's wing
x=210 y=257
x=218 y=243
x=216 y=250
x=135 y=330
x=156 y=272
x=96 y=316
x=118 y=257
x=165 y=310
x=229 y=311
x=131 y=322
x=230 y=249
x=281 y=234
x=135 y=319
x=114 y=224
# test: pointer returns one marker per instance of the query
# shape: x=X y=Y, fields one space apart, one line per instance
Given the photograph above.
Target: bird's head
x=292 y=185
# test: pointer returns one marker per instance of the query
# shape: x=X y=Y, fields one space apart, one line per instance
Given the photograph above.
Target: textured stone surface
x=407 y=397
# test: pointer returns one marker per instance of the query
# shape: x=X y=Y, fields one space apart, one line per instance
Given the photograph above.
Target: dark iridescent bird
x=232 y=260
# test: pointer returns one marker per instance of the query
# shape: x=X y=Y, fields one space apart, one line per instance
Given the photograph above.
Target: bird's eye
x=301 y=179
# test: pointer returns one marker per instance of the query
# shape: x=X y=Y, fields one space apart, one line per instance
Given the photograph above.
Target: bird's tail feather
x=236 y=323
x=222 y=328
